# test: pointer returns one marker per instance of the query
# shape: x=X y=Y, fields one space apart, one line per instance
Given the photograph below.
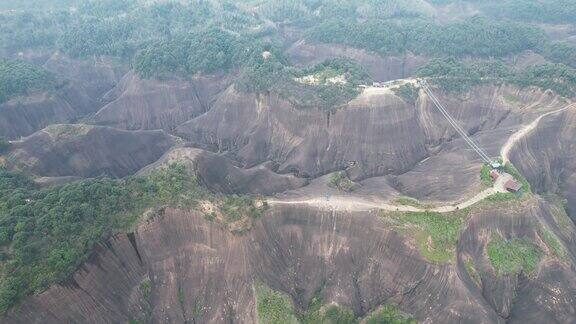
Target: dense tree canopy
x=458 y=76
x=50 y=231
x=203 y=51
x=474 y=37
x=18 y=78
x=550 y=11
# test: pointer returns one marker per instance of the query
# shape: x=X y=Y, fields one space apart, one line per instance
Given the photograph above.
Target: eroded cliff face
x=376 y=134
x=547 y=157
x=87 y=151
x=310 y=142
x=199 y=272
x=136 y=103
x=82 y=85
x=548 y=294
x=380 y=68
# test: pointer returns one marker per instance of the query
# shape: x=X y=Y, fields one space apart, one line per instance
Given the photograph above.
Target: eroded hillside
x=280 y=162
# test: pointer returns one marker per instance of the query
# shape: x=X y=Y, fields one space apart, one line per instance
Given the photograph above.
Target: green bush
x=513 y=256
x=549 y=11
x=408 y=92
x=436 y=234
x=485 y=177
x=475 y=36
x=236 y=207
x=208 y=51
x=273 y=307
x=456 y=76
x=562 y=53
x=389 y=314
x=340 y=181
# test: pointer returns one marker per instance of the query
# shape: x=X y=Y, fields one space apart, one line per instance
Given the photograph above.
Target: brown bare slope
x=377 y=134
x=311 y=142
x=547 y=157
x=83 y=85
x=23 y=116
x=380 y=68
x=87 y=151
x=199 y=272
x=138 y=103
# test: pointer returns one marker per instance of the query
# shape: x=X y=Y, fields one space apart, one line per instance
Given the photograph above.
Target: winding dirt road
x=512 y=140
x=362 y=204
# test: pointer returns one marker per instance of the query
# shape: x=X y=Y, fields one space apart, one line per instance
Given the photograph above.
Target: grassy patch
x=236 y=207
x=276 y=307
x=469 y=265
x=340 y=181
x=334 y=314
x=145 y=289
x=389 y=314
x=552 y=243
x=408 y=201
x=65 y=131
x=436 y=234
x=512 y=99
x=273 y=307
x=485 y=177
x=330 y=314
x=501 y=196
x=513 y=256
x=408 y=92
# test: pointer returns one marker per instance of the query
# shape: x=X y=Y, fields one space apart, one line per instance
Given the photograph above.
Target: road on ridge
x=349 y=203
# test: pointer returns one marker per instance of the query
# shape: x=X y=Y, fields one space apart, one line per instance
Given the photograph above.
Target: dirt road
x=362 y=204
x=507 y=147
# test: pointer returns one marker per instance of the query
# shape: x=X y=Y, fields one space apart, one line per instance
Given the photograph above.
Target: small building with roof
x=494 y=174
x=512 y=185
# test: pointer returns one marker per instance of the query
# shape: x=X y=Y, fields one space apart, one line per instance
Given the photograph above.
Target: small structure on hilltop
x=494 y=174
x=513 y=185
x=266 y=55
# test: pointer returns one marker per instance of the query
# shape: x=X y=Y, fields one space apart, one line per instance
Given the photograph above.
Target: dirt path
x=362 y=204
x=507 y=147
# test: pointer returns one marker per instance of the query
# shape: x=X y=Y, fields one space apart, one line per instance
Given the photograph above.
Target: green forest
x=476 y=37
x=18 y=78
x=51 y=231
x=457 y=76
x=166 y=38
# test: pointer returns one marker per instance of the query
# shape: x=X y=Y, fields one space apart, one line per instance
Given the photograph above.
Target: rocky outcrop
x=79 y=93
x=380 y=68
x=138 y=103
x=96 y=76
x=376 y=134
x=219 y=174
x=547 y=157
x=548 y=294
x=257 y=129
x=87 y=151
x=23 y=116
x=200 y=272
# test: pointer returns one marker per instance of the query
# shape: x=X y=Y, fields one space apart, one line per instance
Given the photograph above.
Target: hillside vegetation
x=19 y=78
x=457 y=76
x=165 y=38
